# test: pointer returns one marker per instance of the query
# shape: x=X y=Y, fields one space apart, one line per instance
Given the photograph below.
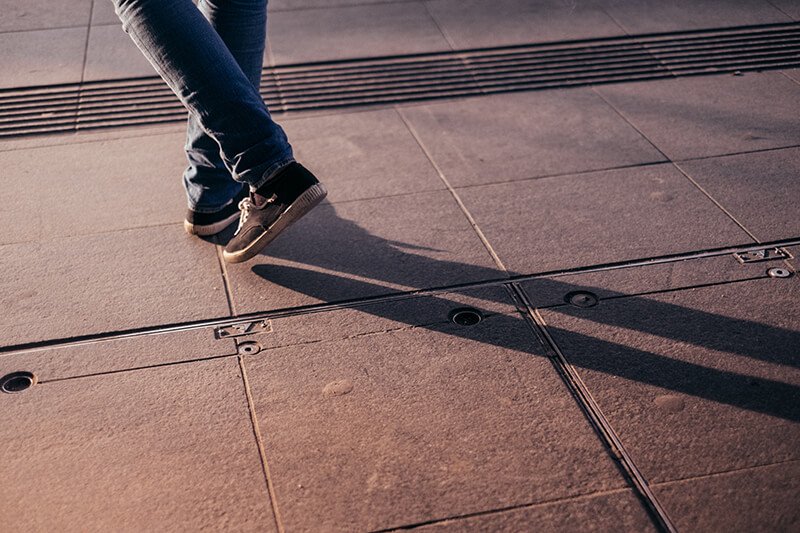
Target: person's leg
x=242 y=26
x=197 y=65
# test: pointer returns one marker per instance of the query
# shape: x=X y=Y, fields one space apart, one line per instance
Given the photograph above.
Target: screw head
x=465 y=316
x=778 y=272
x=17 y=382
x=581 y=299
x=248 y=348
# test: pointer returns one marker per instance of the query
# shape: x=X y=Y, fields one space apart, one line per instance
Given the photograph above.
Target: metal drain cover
x=17 y=382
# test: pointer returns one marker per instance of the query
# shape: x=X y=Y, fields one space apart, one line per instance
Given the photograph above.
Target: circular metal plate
x=779 y=272
x=17 y=382
x=465 y=316
x=582 y=299
x=248 y=348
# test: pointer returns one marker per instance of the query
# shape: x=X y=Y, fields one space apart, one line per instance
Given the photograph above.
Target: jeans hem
x=271 y=171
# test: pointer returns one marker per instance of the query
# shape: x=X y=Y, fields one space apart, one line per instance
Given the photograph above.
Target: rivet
x=582 y=299
x=465 y=316
x=17 y=382
x=778 y=272
x=248 y=348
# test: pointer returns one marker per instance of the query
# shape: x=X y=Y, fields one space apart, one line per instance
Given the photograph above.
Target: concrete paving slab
x=760 y=190
x=712 y=115
x=794 y=251
x=525 y=135
x=790 y=7
x=166 y=449
x=650 y=16
x=93 y=187
x=286 y=5
x=103 y=13
x=111 y=54
x=554 y=290
x=352 y=32
x=758 y=499
x=379 y=317
x=40 y=14
x=59 y=139
x=117 y=354
x=793 y=74
x=362 y=155
x=601 y=217
x=695 y=382
x=42 y=57
x=477 y=24
x=618 y=511
x=365 y=248
x=107 y=282
x=384 y=430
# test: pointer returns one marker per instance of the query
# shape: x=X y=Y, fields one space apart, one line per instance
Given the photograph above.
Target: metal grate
x=396 y=79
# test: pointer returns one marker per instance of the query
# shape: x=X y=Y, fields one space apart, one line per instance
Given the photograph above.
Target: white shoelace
x=244 y=206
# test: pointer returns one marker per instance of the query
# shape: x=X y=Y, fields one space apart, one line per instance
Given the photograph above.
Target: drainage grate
x=396 y=79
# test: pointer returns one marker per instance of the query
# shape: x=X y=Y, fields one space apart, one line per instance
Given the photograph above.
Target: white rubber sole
x=304 y=203
x=210 y=229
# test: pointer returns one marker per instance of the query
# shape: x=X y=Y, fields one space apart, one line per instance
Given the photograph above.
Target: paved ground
x=628 y=373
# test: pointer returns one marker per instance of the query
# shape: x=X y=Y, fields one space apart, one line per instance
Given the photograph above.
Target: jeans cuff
x=271 y=172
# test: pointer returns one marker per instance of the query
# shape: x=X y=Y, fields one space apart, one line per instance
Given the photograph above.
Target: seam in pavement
x=455 y=195
x=778 y=8
x=596 y=418
x=674 y=164
x=260 y=442
x=85 y=55
x=499 y=510
x=723 y=473
x=393 y=296
x=790 y=78
x=224 y=272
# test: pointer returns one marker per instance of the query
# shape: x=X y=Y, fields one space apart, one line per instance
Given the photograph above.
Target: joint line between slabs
x=674 y=164
x=572 y=380
x=454 y=194
x=260 y=442
x=224 y=272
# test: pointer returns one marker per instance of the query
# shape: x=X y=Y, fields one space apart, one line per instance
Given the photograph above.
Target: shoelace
x=245 y=206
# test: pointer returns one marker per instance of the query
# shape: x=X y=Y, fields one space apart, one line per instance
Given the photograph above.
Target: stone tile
x=712 y=115
x=41 y=57
x=60 y=139
x=111 y=54
x=695 y=382
x=524 y=135
x=166 y=449
x=351 y=32
x=362 y=155
x=39 y=14
x=107 y=282
x=794 y=251
x=760 y=190
x=758 y=499
x=415 y=439
x=477 y=24
x=553 y=290
x=365 y=248
x=619 y=511
x=117 y=354
x=651 y=16
x=92 y=187
x=603 y=217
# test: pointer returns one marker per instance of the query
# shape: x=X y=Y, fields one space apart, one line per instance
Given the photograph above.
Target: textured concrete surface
x=712 y=115
x=615 y=511
x=760 y=190
x=650 y=16
x=360 y=403
x=383 y=430
x=107 y=282
x=353 y=31
x=167 y=449
x=602 y=217
x=526 y=135
x=697 y=382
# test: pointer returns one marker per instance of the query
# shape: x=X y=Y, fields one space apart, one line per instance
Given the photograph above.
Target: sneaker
x=205 y=224
x=272 y=209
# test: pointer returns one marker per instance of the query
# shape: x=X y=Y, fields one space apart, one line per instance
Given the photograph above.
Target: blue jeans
x=211 y=57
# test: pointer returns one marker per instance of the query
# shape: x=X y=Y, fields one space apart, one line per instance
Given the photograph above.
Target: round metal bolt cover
x=17 y=382
x=249 y=348
x=581 y=299
x=779 y=272
x=465 y=316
